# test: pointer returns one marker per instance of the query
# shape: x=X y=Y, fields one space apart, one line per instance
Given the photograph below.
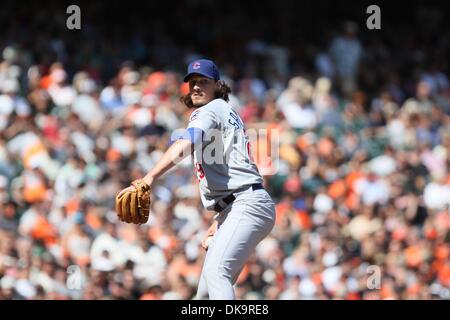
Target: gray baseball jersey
x=222 y=156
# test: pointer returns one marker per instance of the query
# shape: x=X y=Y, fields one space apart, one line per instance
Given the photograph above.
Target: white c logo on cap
x=196 y=65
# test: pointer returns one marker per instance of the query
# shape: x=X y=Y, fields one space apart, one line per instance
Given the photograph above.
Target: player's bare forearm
x=179 y=150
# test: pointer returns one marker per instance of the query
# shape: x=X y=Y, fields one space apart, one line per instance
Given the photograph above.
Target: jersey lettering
x=236 y=121
x=227 y=164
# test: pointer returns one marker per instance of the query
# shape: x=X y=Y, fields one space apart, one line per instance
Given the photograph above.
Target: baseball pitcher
x=230 y=183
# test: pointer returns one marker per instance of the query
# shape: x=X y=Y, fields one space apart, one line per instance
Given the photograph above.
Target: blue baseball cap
x=203 y=67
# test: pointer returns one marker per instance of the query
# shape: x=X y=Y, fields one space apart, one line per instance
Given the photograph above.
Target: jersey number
x=249 y=153
x=200 y=171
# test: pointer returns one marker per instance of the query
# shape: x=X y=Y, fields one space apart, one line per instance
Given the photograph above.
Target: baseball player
x=230 y=183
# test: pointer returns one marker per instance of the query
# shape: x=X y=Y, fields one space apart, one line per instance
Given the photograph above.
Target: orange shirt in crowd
x=44 y=230
x=301 y=217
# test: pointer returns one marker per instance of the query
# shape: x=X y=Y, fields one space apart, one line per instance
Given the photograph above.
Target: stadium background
x=364 y=155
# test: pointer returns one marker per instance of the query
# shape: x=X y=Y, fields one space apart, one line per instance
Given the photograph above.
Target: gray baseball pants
x=241 y=226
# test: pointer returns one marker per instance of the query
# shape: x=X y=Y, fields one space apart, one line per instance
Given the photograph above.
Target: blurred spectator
x=346 y=53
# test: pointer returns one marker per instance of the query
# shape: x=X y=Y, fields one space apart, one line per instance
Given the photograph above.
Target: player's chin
x=198 y=102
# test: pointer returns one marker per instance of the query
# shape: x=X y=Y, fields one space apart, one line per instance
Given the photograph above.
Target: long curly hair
x=222 y=92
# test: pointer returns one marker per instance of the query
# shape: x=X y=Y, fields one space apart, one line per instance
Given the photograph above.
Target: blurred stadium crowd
x=363 y=174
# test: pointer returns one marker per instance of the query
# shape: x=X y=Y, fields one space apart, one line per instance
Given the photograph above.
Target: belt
x=230 y=198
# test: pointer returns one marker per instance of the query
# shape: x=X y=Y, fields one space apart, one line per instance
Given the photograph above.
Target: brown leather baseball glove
x=133 y=205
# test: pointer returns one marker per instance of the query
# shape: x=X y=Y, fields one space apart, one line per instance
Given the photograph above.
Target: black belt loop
x=230 y=198
x=227 y=200
x=257 y=186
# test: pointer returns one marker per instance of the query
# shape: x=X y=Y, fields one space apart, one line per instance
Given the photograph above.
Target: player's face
x=202 y=90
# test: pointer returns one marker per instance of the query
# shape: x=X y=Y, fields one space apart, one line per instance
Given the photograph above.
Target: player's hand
x=206 y=242
x=127 y=189
x=209 y=235
x=148 y=180
x=133 y=203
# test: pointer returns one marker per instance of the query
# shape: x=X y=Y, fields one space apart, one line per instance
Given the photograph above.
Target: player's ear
x=219 y=85
x=222 y=90
x=217 y=89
